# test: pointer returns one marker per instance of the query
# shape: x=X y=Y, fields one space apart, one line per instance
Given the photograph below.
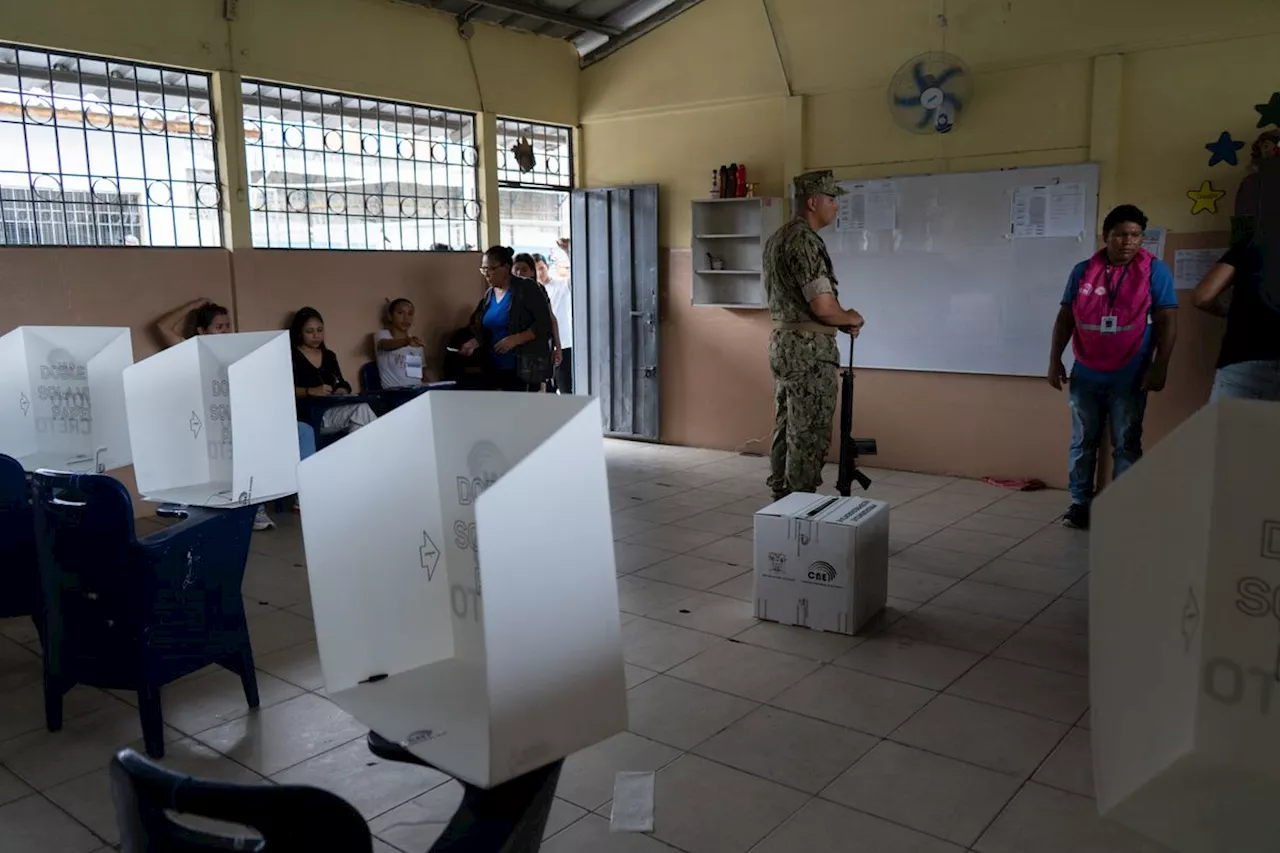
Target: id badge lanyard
x=1111 y=323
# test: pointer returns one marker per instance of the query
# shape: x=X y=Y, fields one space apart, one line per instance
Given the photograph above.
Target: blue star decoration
x=1269 y=113
x=1224 y=150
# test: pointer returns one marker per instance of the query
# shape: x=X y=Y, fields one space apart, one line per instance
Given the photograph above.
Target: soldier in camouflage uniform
x=805 y=306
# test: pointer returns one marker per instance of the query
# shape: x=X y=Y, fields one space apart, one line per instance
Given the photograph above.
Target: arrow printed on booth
x=23 y=403
x=195 y=424
x=429 y=555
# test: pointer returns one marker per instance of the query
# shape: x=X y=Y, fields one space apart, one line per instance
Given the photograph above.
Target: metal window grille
x=96 y=152
x=535 y=175
x=532 y=155
x=332 y=171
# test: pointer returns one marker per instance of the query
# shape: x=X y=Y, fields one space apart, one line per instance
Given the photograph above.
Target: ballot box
x=460 y=553
x=61 y=397
x=1184 y=637
x=213 y=421
x=822 y=561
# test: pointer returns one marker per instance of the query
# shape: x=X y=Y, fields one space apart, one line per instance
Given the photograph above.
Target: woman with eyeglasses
x=511 y=326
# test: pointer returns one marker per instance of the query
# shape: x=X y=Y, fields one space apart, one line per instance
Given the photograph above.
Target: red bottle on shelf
x=741 y=191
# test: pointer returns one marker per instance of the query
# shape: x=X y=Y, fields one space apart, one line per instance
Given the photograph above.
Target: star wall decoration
x=1205 y=198
x=1269 y=113
x=1224 y=150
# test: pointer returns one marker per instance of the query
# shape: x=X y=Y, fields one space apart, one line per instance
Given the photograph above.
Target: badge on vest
x=1110 y=325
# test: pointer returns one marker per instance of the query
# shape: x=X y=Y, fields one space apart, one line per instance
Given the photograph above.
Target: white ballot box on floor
x=187 y=403
x=460 y=553
x=61 y=397
x=821 y=561
x=1184 y=638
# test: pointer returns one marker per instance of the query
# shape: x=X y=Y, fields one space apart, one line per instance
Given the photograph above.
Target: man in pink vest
x=1120 y=314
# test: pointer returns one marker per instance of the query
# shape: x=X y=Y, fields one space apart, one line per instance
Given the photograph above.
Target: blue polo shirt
x=1163 y=295
x=497 y=321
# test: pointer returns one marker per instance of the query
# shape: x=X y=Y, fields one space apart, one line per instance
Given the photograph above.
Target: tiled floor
x=957 y=722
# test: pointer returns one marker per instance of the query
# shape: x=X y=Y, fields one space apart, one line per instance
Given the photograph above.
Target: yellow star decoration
x=1205 y=198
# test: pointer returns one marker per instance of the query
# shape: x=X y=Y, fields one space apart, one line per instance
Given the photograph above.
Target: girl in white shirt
x=400 y=352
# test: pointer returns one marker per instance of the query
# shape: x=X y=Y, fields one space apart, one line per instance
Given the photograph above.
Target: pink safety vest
x=1122 y=293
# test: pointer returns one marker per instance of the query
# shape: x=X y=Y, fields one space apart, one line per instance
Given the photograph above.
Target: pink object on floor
x=1015 y=485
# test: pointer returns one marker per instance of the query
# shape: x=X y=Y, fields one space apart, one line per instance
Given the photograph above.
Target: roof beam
x=532 y=10
x=634 y=32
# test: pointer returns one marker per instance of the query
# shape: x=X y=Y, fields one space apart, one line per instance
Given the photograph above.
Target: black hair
x=540 y=259
x=524 y=257
x=392 y=305
x=1124 y=213
x=203 y=317
x=300 y=319
x=504 y=255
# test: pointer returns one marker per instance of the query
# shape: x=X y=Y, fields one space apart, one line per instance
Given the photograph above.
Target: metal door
x=615 y=305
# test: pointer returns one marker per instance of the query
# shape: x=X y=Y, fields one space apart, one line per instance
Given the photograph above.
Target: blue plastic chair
x=19 y=575
x=290 y=818
x=370 y=378
x=125 y=613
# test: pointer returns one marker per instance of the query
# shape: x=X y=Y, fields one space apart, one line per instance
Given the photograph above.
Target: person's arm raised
x=169 y=328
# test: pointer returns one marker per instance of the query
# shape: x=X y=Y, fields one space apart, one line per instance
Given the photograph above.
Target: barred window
x=96 y=152
x=535 y=175
x=331 y=171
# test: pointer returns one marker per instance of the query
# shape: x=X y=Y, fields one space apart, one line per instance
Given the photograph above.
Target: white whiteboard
x=949 y=289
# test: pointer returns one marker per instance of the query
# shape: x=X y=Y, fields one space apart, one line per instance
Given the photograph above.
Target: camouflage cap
x=821 y=182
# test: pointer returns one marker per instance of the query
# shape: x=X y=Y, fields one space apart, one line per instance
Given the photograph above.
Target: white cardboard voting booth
x=186 y=404
x=61 y=398
x=460 y=552
x=1184 y=610
x=822 y=562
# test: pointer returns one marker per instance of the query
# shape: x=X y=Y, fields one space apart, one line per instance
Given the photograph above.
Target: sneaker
x=262 y=521
x=1077 y=517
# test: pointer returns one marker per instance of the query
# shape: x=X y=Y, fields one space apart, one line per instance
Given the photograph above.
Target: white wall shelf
x=734 y=230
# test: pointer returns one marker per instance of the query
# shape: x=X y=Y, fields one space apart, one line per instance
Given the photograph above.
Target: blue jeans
x=1247 y=380
x=306 y=440
x=1095 y=405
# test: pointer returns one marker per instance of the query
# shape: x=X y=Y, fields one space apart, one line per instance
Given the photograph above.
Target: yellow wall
x=1139 y=87
x=1190 y=70
x=368 y=47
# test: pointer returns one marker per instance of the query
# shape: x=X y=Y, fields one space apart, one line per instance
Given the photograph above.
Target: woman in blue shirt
x=511 y=326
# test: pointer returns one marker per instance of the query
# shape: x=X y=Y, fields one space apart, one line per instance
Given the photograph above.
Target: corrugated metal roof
x=596 y=27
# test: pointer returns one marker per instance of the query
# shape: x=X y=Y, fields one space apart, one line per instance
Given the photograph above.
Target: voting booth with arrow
x=460 y=554
x=62 y=399
x=213 y=421
x=1184 y=638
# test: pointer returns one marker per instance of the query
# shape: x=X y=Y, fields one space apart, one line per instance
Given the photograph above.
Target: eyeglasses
x=487 y=270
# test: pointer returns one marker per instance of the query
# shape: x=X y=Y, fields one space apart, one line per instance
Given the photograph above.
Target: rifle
x=851 y=448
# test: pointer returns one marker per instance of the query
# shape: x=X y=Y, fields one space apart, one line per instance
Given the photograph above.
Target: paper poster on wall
x=1190 y=265
x=870 y=206
x=1048 y=210
x=1154 y=240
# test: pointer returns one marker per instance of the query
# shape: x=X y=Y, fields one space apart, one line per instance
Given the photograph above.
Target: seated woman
x=399 y=352
x=203 y=316
x=511 y=326
x=316 y=374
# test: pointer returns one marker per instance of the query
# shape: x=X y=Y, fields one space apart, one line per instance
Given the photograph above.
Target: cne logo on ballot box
x=466 y=606
x=1184 y=641
x=62 y=399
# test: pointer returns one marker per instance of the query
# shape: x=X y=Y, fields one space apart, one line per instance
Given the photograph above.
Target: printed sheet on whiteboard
x=1048 y=210
x=870 y=206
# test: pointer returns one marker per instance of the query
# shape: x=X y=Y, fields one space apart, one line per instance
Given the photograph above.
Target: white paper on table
x=1029 y=212
x=1154 y=240
x=62 y=398
x=1190 y=265
x=1064 y=216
